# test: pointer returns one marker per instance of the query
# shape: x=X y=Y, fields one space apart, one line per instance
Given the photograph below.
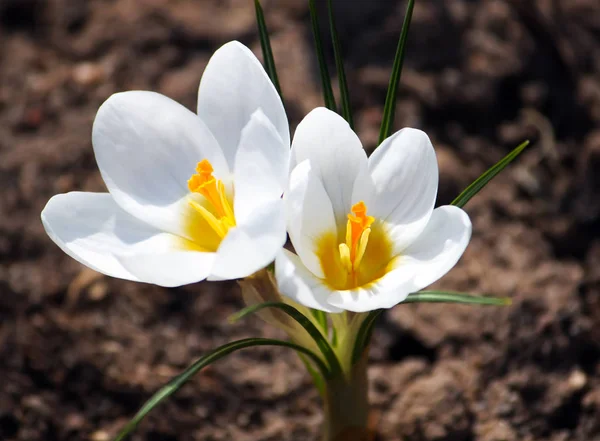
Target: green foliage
x=328 y=97
x=177 y=382
x=265 y=44
x=339 y=63
x=317 y=377
x=487 y=176
x=306 y=323
x=454 y=297
x=321 y=318
x=364 y=334
x=389 y=110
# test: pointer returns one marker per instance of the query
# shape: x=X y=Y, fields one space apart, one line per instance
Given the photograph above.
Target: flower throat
x=361 y=258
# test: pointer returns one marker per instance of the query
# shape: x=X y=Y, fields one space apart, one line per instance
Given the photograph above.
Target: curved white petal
x=309 y=215
x=93 y=229
x=299 y=284
x=169 y=268
x=431 y=256
x=252 y=245
x=364 y=189
x=147 y=146
x=438 y=248
x=405 y=174
x=261 y=166
x=335 y=154
x=233 y=86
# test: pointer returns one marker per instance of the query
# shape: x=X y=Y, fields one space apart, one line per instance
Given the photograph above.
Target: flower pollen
x=363 y=257
x=221 y=217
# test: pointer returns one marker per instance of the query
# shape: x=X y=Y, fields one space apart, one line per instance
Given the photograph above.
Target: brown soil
x=79 y=352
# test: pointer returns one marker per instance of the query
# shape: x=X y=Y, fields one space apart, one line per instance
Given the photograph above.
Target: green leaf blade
x=328 y=97
x=316 y=375
x=339 y=63
x=306 y=323
x=265 y=44
x=477 y=185
x=364 y=334
x=455 y=297
x=177 y=382
x=321 y=318
x=389 y=110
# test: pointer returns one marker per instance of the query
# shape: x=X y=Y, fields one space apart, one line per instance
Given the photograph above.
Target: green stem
x=347 y=405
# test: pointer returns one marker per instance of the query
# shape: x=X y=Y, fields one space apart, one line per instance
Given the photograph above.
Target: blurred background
x=80 y=352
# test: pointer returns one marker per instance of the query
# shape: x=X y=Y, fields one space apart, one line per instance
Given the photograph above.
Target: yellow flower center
x=211 y=215
x=360 y=257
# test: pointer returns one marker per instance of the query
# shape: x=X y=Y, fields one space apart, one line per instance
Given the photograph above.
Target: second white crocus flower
x=365 y=230
x=191 y=196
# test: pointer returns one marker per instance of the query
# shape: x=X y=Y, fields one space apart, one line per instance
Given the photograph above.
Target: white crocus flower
x=190 y=196
x=364 y=230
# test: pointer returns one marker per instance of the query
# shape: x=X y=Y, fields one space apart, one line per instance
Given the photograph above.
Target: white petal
x=364 y=189
x=405 y=174
x=233 y=86
x=299 y=284
x=309 y=215
x=335 y=154
x=439 y=246
x=147 y=147
x=169 y=268
x=92 y=228
x=261 y=166
x=253 y=245
x=431 y=256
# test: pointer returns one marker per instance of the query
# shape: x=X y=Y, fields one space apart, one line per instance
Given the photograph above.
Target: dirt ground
x=80 y=352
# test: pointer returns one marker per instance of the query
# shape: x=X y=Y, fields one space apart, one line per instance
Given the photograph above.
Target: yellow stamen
x=345 y=257
x=204 y=183
x=361 y=248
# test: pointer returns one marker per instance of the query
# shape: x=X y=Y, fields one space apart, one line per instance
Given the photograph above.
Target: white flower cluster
x=199 y=196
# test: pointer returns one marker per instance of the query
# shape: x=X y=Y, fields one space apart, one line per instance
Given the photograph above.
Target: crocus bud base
x=347 y=406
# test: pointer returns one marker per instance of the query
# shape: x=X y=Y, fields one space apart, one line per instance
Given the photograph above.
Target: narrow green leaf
x=328 y=97
x=321 y=318
x=265 y=44
x=389 y=110
x=487 y=176
x=364 y=334
x=339 y=63
x=318 y=379
x=313 y=331
x=366 y=329
x=334 y=336
x=177 y=382
x=454 y=297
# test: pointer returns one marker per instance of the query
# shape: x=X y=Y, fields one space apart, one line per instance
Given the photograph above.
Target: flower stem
x=347 y=405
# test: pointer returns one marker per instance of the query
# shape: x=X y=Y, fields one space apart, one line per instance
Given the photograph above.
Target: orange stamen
x=204 y=183
x=358 y=229
x=357 y=224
